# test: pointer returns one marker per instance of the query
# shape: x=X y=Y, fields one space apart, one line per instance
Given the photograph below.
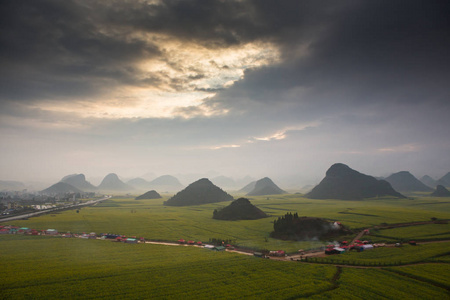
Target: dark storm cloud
x=374 y=51
x=62 y=49
x=78 y=47
x=53 y=49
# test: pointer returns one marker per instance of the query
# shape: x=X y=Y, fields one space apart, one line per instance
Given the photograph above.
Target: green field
x=152 y=220
x=381 y=284
x=421 y=233
x=406 y=254
x=40 y=267
x=54 y=268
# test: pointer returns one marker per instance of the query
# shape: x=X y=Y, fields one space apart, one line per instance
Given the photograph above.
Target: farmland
x=152 y=220
x=420 y=233
x=81 y=268
x=75 y=268
x=392 y=255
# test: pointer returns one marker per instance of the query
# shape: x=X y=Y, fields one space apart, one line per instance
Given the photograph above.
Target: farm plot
x=58 y=268
x=379 y=284
x=419 y=232
x=390 y=255
x=436 y=274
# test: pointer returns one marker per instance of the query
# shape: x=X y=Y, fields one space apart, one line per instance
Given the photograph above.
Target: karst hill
x=428 y=181
x=240 y=209
x=149 y=195
x=342 y=182
x=111 y=182
x=406 y=182
x=139 y=183
x=202 y=191
x=61 y=188
x=441 y=191
x=248 y=188
x=166 y=183
x=445 y=180
x=79 y=181
x=265 y=186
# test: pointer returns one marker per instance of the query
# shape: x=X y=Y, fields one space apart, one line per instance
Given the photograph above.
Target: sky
x=282 y=89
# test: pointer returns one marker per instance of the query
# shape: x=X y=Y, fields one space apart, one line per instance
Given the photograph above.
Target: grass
x=56 y=268
x=436 y=274
x=391 y=255
x=422 y=232
x=380 y=284
x=150 y=219
x=59 y=268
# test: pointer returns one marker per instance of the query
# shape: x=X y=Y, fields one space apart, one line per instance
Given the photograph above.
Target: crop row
x=72 y=268
x=380 y=284
x=387 y=256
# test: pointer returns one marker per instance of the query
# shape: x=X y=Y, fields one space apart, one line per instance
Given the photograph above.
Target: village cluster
x=11 y=229
x=335 y=248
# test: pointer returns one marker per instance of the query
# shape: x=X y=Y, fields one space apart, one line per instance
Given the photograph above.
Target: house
x=181 y=241
x=51 y=232
x=111 y=236
x=277 y=253
x=367 y=247
x=228 y=246
x=4 y=231
x=131 y=241
x=259 y=254
x=24 y=230
x=330 y=251
x=219 y=248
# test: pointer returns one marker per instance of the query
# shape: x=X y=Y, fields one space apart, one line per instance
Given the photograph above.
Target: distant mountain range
x=165 y=183
x=402 y=181
x=342 y=182
x=9 y=185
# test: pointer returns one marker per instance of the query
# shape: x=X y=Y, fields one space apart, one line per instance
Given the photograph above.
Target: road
x=34 y=214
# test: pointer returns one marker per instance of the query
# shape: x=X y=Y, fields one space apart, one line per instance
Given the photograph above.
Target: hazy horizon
x=282 y=89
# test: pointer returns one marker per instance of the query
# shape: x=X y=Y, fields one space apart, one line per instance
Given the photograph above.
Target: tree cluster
x=286 y=223
x=221 y=242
